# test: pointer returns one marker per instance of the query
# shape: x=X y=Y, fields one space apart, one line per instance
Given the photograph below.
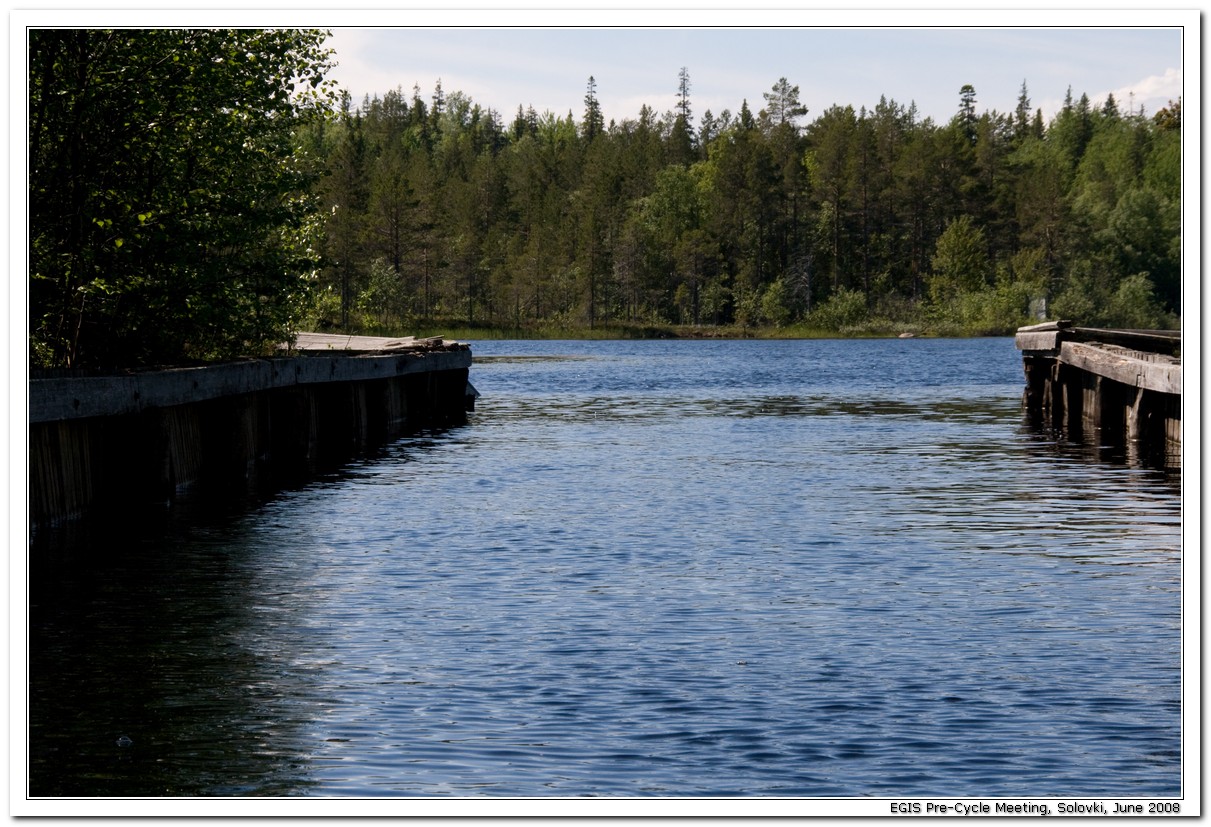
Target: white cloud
x=548 y=68
x=1152 y=92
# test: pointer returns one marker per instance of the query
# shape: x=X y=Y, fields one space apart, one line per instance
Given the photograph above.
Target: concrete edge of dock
x=127 y=440
x=55 y=399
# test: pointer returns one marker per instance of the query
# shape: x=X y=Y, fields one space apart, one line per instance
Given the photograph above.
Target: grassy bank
x=864 y=328
x=460 y=330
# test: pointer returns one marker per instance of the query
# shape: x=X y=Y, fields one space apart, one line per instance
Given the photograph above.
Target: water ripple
x=743 y=569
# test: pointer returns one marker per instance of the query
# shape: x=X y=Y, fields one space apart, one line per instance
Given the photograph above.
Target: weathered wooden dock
x=1106 y=387
x=120 y=440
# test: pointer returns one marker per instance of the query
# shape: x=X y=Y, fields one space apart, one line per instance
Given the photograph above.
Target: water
x=792 y=569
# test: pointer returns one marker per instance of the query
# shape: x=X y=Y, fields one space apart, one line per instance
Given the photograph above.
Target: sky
x=549 y=68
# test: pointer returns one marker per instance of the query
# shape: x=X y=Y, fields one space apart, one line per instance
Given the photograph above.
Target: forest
x=231 y=210
x=854 y=222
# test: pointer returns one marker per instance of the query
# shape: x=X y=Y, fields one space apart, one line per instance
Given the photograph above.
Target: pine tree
x=782 y=103
x=1021 y=115
x=746 y=116
x=967 y=111
x=1169 y=117
x=683 y=94
x=594 y=123
x=681 y=137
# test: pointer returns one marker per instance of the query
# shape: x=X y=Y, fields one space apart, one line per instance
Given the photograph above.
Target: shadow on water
x=1164 y=460
x=140 y=667
x=165 y=654
x=658 y=408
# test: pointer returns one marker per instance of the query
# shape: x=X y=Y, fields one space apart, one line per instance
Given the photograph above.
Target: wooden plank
x=345 y=345
x=1042 y=339
x=1164 y=376
x=1056 y=325
x=1137 y=416
x=1161 y=335
x=1156 y=341
x=344 y=342
x=1045 y=341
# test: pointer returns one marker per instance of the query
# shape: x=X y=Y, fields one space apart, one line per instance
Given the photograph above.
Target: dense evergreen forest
x=853 y=221
x=188 y=202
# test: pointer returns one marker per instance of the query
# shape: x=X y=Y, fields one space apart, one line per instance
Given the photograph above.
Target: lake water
x=784 y=569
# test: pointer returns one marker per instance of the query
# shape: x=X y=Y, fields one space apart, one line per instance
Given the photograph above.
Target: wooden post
x=1089 y=387
x=1034 y=397
x=1056 y=402
x=179 y=448
x=294 y=441
x=233 y=439
x=1072 y=400
x=1172 y=415
x=1107 y=387
x=1137 y=417
x=397 y=405
x=359 y=420
x=62 y=470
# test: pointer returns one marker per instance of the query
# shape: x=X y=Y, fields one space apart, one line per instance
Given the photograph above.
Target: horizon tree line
x=205 y=194
x=439 y=209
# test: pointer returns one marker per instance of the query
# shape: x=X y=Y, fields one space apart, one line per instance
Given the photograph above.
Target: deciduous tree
x=169 y=209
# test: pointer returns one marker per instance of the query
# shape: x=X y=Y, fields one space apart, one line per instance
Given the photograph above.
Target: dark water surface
x=799 y=569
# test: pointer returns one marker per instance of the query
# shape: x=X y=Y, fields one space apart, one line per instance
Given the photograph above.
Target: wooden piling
x=112 y=442
x=1105 y=387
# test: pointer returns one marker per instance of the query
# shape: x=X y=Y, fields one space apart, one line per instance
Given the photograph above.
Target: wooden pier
x=1106 y=387
x=121 y=440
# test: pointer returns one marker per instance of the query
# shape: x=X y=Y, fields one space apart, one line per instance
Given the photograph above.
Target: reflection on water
x=765 y=569
x=190 y=650
x=616 y=407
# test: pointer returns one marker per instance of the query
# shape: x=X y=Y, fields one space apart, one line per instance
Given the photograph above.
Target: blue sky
x=548 y=68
